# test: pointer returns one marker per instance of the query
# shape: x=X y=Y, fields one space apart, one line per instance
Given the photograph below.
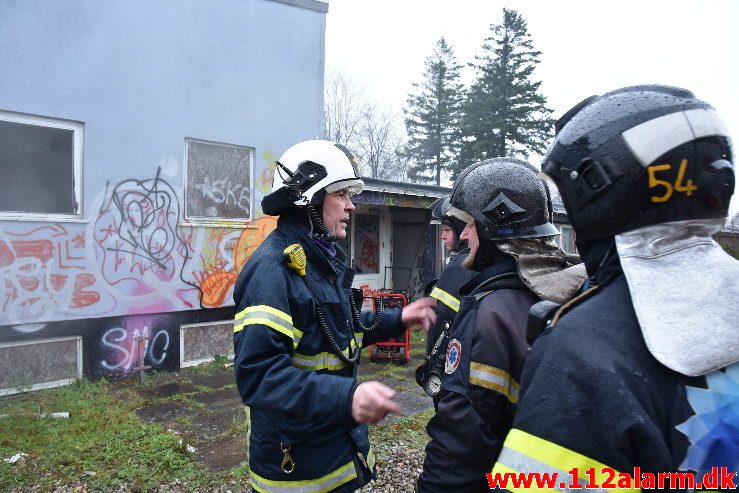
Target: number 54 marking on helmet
x=687 y=188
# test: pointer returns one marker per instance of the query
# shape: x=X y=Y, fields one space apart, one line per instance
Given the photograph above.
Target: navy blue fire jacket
x=446 y=291
x=298 y=390
x=483 y=365
x=595 y=404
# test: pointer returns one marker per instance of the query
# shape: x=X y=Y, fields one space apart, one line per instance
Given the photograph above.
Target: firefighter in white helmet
x=298 y=333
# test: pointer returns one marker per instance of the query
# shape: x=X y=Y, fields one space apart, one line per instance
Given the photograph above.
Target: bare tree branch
x=374 y=133
x=344 y=107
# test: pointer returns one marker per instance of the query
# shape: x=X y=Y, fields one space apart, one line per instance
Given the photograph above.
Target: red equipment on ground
x=397 y=348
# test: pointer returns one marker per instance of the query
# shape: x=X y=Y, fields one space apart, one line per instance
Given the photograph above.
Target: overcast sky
x=588 y=47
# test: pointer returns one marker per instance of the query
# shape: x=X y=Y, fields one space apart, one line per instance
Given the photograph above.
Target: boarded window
x=40 y=165
x=218 y=181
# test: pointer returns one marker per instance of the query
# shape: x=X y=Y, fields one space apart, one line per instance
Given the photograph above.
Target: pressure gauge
x=433 y=384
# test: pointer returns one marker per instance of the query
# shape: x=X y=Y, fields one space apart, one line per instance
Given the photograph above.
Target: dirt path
x=202 y=405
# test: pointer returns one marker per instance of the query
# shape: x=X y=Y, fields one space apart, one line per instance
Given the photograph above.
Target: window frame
x=217 y=221
x=77 y=129
x=566 y=229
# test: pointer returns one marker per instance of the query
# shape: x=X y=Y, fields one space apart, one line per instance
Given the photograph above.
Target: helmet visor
x=354 y=185
x=461 y=215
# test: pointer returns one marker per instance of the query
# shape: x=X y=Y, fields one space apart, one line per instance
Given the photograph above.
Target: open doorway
x=407 y=269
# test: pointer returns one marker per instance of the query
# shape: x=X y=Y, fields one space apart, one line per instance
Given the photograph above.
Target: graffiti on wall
x=123 y=349
x=263 y=182
x=227 y=192
x=367 y=243
x=218 y=178
x=42 y=271
x=371 y=197
x=221 y=255
x=134 y=256
x=368 y=293
x=137 y=246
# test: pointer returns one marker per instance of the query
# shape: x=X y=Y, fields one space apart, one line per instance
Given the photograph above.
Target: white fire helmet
x=340 y=164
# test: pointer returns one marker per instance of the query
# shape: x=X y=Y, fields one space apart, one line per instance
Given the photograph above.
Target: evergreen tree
x=504 y=113
x=433 y=116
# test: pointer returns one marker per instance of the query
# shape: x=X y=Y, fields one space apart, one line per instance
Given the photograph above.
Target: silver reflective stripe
x=324 y=484
x=494 y=379
x=297 y=336
x=651 y=139
x=516 y=461
x=271 y=317
x=265 y=315
x=321 y=361
x=526 y=459
x=521 y=463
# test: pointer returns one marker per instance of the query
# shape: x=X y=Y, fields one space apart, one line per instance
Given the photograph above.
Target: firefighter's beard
x=469 y=262
x=482 y=255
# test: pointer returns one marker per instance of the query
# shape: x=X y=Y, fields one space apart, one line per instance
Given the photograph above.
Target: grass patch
x=219 y=363
x=102 y=435
x=734 y=252
x=410 y=430
x=385 y=367
x=418 y=342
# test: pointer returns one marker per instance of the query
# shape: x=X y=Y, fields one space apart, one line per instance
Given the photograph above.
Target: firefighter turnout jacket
x=446 y=291
x=299 y=392
x=484 y=361
x=592 y=396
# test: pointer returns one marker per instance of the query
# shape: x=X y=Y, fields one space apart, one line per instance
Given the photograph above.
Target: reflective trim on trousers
x=329 y=482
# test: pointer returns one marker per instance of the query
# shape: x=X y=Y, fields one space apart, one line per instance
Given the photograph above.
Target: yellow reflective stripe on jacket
x=359 y=337
x=371 y=458
x=297 y=335
x=265 y=315
x=494 y=379
x=329 y=482
x=320 y=361
x=525 y=453
x=445 y=298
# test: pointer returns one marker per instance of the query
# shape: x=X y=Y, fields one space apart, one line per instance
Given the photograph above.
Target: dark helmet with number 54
x=638 y=156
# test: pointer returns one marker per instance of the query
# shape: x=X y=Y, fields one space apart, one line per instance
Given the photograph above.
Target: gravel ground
x=398 y=466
